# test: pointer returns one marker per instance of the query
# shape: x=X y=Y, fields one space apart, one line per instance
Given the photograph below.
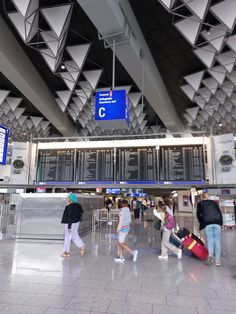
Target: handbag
x=169 y=222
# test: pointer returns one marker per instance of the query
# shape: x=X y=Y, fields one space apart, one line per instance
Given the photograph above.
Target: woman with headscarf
x=71 y=218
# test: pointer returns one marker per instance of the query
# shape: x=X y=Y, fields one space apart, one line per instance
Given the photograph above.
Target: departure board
x=136 y=164
x=181 y=163
x=95 y=165
x=56 y=165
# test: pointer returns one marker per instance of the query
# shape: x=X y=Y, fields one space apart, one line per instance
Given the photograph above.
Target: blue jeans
x=213 y=235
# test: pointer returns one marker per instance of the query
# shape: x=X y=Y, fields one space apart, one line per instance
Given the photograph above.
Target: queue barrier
x=102 y=218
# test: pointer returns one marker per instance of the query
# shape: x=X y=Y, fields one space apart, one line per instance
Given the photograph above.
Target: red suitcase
x=196 y=248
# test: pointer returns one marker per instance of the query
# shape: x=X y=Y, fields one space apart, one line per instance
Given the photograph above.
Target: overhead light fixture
x=220 y=124
x=208 y=30
x=63 y=67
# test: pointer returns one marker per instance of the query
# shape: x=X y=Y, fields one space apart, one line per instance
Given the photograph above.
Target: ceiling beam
x=109 y=17
x=19 y=70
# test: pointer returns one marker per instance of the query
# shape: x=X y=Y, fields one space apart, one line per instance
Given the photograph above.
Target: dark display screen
x=181 y=163
x=136 y=164
x=56 y=165
x=95 y=165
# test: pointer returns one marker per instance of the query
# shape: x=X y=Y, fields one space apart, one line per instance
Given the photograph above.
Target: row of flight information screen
x=145 y=164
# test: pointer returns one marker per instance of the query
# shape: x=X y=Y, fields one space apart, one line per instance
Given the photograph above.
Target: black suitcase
x=174 y=239
x=183 y=232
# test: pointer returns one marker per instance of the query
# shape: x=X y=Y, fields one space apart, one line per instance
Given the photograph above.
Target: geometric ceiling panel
x=188 y=117
x=195 y=79
x=193 y=112
x=50 y=59
x=219 y=73
x=189 y=29
x=168 y=3
x=216 y=36
x=227 y=87
x=19 y=23
x=52 y=42
x=231 y=42
x=205 y=93
x=68 y=79
x=134 y=98
x=3 y=95
x=211 y=84
x=226 y=12
x=206 y=55
x=57 y=17
x=22 y=6
x=220 y=96
x=22 y=119
x=60 y=104
x=26 y=7
x=36 y=120
x=198 y=7
x=18 y=112
x=227 y=59
x=64 y=96
x=232 y=77
x=189 y=91
x=214 y=103
x=93 y=77
x=79 y=53
x=200 y=101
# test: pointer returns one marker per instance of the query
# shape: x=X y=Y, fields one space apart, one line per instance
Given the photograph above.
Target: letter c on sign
x=101 y=112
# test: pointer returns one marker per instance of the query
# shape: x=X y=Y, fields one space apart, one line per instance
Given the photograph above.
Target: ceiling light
x=208 y=30
x=220 y=124
x=63 y=67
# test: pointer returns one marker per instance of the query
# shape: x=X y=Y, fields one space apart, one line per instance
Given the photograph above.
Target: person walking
x=167 y=226
x=72 y=217
x=123 y=230
x=136 y=210
x=210 y=218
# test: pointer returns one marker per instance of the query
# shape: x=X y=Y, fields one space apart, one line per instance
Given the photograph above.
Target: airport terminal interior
x=118 y=156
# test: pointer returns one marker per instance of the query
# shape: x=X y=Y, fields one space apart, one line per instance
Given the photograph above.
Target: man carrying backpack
x=210 y=218
x=123 y=230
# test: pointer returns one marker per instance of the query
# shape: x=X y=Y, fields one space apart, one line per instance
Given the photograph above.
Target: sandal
x=65 y=254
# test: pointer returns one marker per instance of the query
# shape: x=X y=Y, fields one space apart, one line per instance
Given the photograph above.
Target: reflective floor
x=35 y=279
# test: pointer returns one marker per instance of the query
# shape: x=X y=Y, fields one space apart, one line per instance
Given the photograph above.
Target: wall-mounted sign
x=4 y=135
x=112 y=109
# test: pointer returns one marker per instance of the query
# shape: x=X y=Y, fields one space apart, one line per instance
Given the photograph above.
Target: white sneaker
x=179 y=254
x=119 y=260
x=135 y=256
x=162 y=257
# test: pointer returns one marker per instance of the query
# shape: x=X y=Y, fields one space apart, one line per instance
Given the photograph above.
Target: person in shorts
x=123 y=230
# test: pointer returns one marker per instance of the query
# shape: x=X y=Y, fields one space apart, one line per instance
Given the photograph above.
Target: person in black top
x=71 y=218
x=210 y=218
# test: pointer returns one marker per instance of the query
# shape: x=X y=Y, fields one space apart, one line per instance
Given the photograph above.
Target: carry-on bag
x=195 y=247
x=176 y=241
x=183 y=232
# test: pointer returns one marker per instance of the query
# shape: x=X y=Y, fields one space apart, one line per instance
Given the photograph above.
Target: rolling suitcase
x=176 y=241
x=195 y=247
x=183 y=232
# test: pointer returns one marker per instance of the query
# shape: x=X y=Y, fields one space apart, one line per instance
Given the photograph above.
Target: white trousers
x=72 y=235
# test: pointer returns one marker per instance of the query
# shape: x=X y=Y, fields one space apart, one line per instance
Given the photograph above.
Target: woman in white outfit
x=71 y=218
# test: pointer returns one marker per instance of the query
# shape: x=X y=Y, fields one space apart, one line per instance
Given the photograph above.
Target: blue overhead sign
x=111 y=105
x=4 y=135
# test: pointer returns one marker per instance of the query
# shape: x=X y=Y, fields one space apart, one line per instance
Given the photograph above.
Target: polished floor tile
x=35 y=279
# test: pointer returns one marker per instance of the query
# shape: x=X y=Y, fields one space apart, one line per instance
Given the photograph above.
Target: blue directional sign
x=4 y=135
x=112 y=105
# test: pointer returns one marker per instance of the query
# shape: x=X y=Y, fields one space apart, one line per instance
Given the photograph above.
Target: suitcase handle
x=192 y=245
